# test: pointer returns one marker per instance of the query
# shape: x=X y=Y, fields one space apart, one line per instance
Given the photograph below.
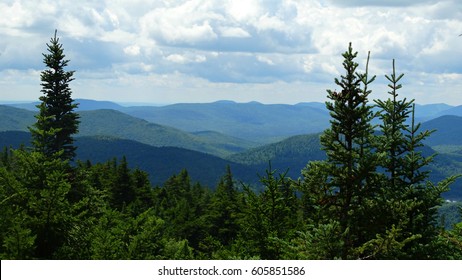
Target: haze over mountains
x=163 y=140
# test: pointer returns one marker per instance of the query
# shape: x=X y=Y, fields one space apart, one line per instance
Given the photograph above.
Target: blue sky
x=270 y=51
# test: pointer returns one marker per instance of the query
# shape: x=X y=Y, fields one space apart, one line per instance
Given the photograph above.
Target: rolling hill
x=117 y=124
x=256 y=122
x=15 y=119
x=160 y=162
x=120 y=125
x=264 y=123
x=294 y=153
x=84 y=105
x=448 y=131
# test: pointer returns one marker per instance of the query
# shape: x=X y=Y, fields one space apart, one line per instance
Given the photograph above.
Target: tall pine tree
x=56 y=121
x=350 y=156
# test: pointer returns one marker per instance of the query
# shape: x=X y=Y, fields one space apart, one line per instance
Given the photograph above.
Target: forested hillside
x=106 y=122
x=253 y=121
x=160 y=163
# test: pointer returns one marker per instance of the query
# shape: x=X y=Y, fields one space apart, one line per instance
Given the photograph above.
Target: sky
x=287 y=51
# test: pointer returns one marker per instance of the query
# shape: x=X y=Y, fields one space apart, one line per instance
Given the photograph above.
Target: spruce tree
x=225 y=210
x=350 y=157
x=56 y=121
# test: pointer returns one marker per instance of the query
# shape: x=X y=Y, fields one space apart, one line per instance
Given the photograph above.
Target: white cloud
x=265 y=59
x=246 y=44
x=184 y=59
x=243 y=11
x=235 y=32
x=185 y=23
x=132 y=50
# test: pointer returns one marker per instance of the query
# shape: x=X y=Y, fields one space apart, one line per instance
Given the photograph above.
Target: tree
x=371 y=198
x=271 y=217
x=56 y=121
x=409 y=201
x=34 y=205
x=348 y=176
x=225 y=210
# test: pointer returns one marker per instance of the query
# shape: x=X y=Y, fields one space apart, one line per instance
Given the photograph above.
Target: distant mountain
x=120 y=125
x=318 y=105
x=430 y=111
x=294 y=153
x=117 y=124
x=15 y=119
x=455 y=111
x=252 y=121
x=161 y=163
x=14 y=139
x=448 y=131
x=83 y=105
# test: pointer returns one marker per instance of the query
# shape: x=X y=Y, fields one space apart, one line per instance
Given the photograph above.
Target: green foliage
x=34 y=191
x=372 y=191
x=270 y=216
x=348 y=177
x=56 y=121
x=225 y=210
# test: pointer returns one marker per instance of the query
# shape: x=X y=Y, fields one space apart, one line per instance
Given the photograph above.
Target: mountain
x=15 y=119
x=431 y=111
x=160 y=162
x=294 y=153
x=120 y=125
x=253 y=121
x=448 y=131
x=84 y=105
x=117 y=124
x=456 y=111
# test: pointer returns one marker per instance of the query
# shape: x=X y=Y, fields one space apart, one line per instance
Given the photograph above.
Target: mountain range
x=205 y=138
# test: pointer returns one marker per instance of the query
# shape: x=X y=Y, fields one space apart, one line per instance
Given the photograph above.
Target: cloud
x=183 y=59
x=234 y=32
x=236 y=42
x=388 y=3
x=132 y=50
x=188 y=23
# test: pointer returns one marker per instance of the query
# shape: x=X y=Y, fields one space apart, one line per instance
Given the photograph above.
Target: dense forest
x=368 y=197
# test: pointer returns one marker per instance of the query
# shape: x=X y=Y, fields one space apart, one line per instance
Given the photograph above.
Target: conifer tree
x=225 y=210
x=56 y=121
x=271 y=216
x=409 y=200
x=351 y=161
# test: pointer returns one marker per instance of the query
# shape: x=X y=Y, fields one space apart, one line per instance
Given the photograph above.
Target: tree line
x=369 y=199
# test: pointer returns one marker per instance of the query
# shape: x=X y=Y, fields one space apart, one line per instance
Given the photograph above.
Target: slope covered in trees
x=112 y=123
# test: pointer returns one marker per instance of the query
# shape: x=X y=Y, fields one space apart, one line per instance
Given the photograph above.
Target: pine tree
x=351 y=161
x=225 y=210
x=56 y=121
x=408 y=209
x=271 y=216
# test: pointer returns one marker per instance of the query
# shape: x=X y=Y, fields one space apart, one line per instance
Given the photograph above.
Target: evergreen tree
x=56 y=121
x=372 y=192
x=408 y=201
x=350 y=169
x=271 y=216
x=225 y=210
